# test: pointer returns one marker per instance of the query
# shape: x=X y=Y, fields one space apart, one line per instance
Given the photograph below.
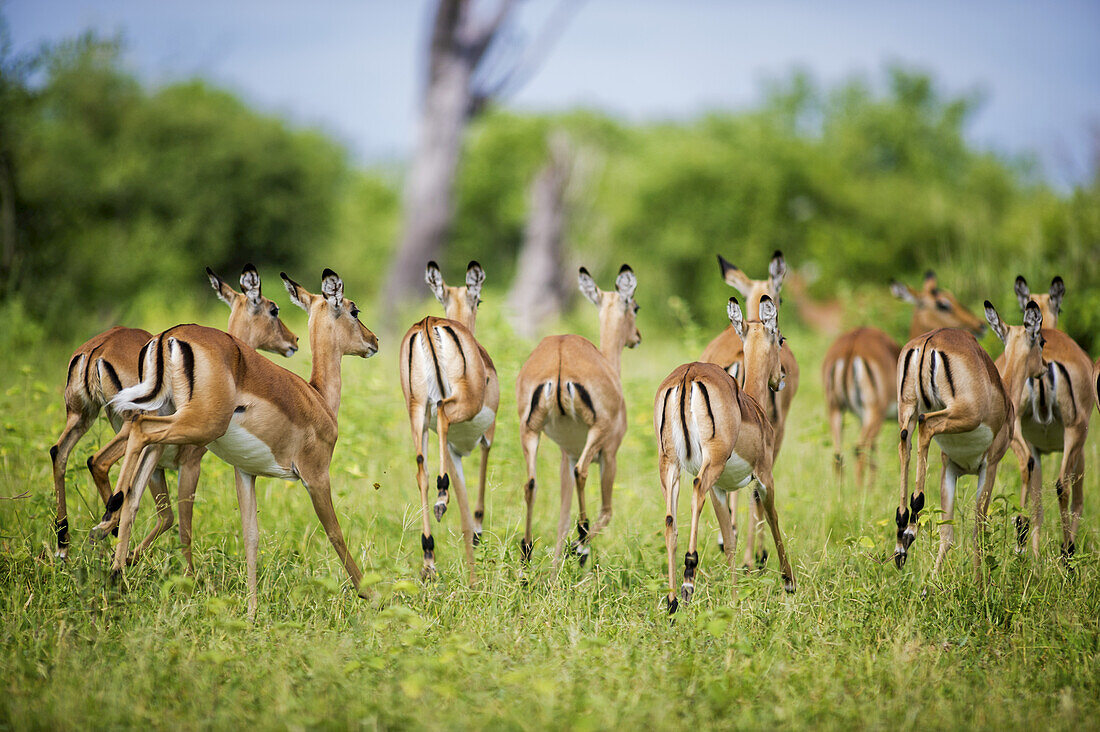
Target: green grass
x=856 y=646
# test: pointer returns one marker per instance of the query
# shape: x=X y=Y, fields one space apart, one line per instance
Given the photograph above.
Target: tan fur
x=549 y=397
x=727 y=350
x=936 y=308
x=236 y=387
x=949 y=386
x=1063 y=426
x=89 y=387
x=868 y=391
x=472 y=378
x=704 y=400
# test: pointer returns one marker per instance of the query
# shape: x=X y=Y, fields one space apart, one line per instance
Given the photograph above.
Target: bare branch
x=479 y=36
x=448 y=16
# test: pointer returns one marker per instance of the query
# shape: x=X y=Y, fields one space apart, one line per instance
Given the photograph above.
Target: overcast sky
x=353 y=68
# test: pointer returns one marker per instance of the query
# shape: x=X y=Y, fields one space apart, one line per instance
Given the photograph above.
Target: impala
x=708 y=425
x=1052 y=415
x=1049 y=304
x=450 y=385
x=112 y=361
x=258 y=417
x=727 y=351
x=573 y=391
x=948 y=385
x=860 y=369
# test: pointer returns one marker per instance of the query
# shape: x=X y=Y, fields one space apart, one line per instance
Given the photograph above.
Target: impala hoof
x=789 y=585
x=428 y=573
x=582 y=553
x=672 y=603
x=99 y=531
x=899 y=558
x=477 y=538
x=439 y=509
x=686 y=591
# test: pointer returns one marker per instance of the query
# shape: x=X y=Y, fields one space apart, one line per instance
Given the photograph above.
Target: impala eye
x=274 y=311
x=354 y=312
x=637 y=307
x=943 y=305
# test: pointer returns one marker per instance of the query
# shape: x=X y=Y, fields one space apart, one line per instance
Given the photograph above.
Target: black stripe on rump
x=188 y=366
x=412 y=344
x=1069 y=385
x=947 y=372
x=683 y=419
x=112 y=375
x=920 y=379
x=88 y=367
x=458 y=345
x=664 y=411
x=905 y=366
x=710 y=412
x=585 y=397
x=72 y=365
x=141 y=361
x=160 y=376
x=435 y=361
x=535 y=395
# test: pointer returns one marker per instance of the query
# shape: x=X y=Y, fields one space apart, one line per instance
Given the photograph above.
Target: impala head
x=617 y=307
x=936 y=308
x=252 y=317
x=754 y=290
x=762 y=341
x=459 y=303
x=332 y=317
x=1023 y=343
x=1049 y=304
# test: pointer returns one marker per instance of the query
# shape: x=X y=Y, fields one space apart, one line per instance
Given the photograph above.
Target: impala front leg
x=529 y=440
x=483 y=469
x=704 y=481
x=443 y=481
x=669 y=471
x=76 y=426
x=908 y=422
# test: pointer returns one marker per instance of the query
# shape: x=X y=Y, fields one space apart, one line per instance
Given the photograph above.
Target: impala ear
x=1023 y=294
x=475 y=278
x=250 y=284
x=332 y=287
x=299 y=295
x=1033 y=321
x=995 y=321
x=588 y=287
x=931 y=283
x=769 y=316
x=1057 y=292
x=434 y=278
x=225 y=293
x=777 y=270
x=903 y=292
x=626 y=283
x=736 y=319
x=734 y=277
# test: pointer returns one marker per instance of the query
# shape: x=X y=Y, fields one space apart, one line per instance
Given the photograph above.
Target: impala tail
x=154 y=390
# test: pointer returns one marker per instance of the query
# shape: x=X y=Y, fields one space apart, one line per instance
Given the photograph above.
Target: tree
x=473 y=59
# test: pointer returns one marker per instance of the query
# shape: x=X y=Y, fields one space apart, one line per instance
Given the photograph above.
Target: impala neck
x=325 y=375
x=612 y=343
x=1014 y=379
x=756 y=384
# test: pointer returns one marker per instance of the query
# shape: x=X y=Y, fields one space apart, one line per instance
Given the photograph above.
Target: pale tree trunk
x=462 y=79
x=540 y=288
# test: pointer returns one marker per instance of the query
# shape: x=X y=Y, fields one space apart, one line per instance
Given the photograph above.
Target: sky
x=354 y=69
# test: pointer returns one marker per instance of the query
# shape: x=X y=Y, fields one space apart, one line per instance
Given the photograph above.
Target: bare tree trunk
x=429 y=190
x=539 y=290
x=7 y=225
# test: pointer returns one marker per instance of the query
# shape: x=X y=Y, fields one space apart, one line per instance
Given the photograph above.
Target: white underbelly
x=737 y=474
x=570 y=434
x=966 y=449
x=241 y=449
x=463 y=436
x=1046 y=437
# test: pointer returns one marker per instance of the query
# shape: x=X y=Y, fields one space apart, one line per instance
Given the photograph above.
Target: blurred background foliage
x=121 y=193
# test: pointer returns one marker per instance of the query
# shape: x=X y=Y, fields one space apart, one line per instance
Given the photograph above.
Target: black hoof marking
x=1030 y=464
x=443 y=482
x=921 y=418
x=115 y=576
x=113 y=504
x=53 y=453
x=691 y=561
x=479 y=515
x=762 y=560
x=1069 y=550
x=63 y=533
x=899 y=559
x=583 y=558
x=669 y=521
x=672 y=603
x=1023 y=528
x=419 y=459
x=114 y=532
x=477 y=538
x=788 y=585
x=582 y=530
x=904 y=435
x=525 y=548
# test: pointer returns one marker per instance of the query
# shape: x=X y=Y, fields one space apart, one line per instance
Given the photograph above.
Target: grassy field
x=856 y=646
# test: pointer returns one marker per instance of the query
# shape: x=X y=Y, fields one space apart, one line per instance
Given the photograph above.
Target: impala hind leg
x=949 y=478
x=907 y=418
x=483 y=469
x=146 y=465
x=836 y=427
x=418 y=420
x=99 y=464
x=529 y=441
x=1031 y=468
x=77 y=423
x=443 y=480
x=987 y=478
x=464 y=512
x=1069 y=487
x=731 y=501
x=865 y=448
x=158 y=487
x=669 y=473
x=580 y=478
x=704 y=481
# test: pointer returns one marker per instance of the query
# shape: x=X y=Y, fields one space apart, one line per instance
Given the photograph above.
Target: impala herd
x=173 y=396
